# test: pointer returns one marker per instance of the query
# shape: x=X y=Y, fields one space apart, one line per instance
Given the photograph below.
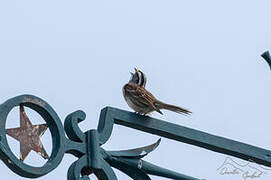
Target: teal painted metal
x=110 y=116
x=267 y=57
x=92 y=158
x=55 y=126
x=86 y=146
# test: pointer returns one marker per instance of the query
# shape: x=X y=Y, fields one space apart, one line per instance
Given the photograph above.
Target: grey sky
x=202 y=55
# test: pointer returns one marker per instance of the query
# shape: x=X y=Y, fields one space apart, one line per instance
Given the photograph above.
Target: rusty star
x=29 y=136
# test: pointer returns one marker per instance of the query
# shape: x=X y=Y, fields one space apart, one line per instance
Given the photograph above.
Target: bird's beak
x=136 y=70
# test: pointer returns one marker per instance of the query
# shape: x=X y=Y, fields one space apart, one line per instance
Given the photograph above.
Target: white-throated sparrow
x=141 y=100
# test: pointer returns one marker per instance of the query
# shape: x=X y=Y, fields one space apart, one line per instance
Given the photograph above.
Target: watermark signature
x=249 y=170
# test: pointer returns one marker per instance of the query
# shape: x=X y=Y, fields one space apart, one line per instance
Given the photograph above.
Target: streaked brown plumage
x=141 y=100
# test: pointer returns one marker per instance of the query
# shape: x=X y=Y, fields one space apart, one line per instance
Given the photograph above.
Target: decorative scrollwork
x=92 y=158
x=97 y=160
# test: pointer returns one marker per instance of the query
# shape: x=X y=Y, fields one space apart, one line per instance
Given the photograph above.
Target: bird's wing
x=140 y=96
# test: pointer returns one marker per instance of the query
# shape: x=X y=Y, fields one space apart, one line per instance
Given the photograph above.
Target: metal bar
x=155 y=170
x=267 y=57
x=189 y=136
x=93 y=149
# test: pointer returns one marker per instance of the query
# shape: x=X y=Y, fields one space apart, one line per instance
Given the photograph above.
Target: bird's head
x=138 y=78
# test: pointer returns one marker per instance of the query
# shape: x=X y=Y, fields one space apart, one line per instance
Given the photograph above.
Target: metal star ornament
x=29 y=136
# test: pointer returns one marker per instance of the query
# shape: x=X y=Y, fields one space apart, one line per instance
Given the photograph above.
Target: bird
x=142 y=101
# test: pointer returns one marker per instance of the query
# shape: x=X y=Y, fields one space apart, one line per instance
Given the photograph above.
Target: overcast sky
x=202 y=55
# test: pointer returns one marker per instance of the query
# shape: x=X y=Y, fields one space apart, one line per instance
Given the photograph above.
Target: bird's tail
x=161 y=105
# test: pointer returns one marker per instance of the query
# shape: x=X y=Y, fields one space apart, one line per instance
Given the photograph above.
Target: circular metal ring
x=55 y=126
